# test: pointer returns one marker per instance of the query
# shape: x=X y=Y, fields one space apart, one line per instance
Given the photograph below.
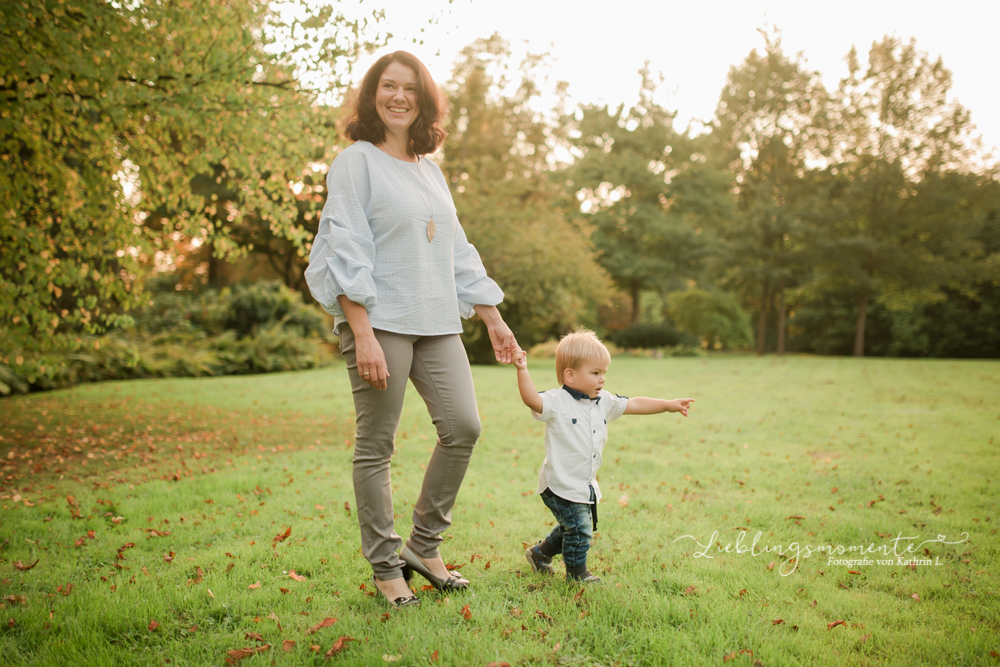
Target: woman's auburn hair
x=427 y=131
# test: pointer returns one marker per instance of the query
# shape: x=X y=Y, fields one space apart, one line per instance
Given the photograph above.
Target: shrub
x=258 y=328
x=651 y=335
x=715 y=317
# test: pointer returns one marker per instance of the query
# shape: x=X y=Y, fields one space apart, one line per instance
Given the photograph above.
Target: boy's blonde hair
x=577 y=347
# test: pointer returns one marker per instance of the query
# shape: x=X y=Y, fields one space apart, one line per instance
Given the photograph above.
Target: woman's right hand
x=368 y=353
x=371 y=361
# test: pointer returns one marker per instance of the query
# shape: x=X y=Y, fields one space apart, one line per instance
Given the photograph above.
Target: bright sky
x=599 y=45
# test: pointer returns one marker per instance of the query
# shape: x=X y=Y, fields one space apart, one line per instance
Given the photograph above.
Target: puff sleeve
x=342 y=257
x=471 y=282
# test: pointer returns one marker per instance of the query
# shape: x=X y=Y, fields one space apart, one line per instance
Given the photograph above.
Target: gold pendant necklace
x=428 y=202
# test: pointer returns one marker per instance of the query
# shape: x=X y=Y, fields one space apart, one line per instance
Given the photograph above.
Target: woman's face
x=396 y=99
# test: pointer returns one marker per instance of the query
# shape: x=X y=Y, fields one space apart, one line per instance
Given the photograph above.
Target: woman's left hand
x=501 y=336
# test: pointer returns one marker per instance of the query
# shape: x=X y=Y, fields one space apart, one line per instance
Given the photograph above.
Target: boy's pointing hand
x=681 y=405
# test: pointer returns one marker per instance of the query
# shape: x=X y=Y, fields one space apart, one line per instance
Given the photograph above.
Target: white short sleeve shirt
x=576 y=430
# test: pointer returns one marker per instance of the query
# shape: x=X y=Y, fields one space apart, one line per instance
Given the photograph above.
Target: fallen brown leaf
x=777 y=621
x=831 y=626
x=253 y=635
x=236 y=655
x=690 y=590
x=542 y=614
x=579 y=595
x=24 y=568
x=338 y=645
x=288 y=645
x=434 y=656
x=295 y=576
x=731 y=656
x=153 y=625
x=325 y=623
x=281 y=537
x=915 y=597
x=254 y=586
x=274 y=618
x=466 y=613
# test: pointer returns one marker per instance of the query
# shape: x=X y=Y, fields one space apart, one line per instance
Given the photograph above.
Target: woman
x=392 y=264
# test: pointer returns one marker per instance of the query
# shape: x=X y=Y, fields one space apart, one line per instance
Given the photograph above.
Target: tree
x=496 y=161
x=113 y=119
x=768 y=127
x=895 y=129
x=647 y=233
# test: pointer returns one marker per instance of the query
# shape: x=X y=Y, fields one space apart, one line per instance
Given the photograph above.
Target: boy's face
x=589 y=378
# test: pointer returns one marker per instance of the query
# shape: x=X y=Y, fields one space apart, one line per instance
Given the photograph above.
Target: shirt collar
x=579 y=395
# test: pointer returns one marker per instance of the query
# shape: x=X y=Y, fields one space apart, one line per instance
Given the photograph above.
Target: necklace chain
x=428 y=202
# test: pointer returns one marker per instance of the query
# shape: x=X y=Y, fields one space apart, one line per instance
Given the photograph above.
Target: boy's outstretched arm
x=640 y=405
x=524 y=384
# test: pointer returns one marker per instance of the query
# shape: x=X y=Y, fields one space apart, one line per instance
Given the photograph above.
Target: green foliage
x=651 y=335
x=114 y=120
x=646 y=225
x=260 y=328
x=509 y=207
x=714 y=317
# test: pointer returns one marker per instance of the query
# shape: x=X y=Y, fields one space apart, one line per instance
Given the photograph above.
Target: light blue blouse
x=372 y=246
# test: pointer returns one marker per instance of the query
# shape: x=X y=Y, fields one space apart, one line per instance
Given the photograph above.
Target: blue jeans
x=573 y=532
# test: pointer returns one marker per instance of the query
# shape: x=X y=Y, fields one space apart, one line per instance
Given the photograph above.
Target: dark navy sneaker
x=539 y=562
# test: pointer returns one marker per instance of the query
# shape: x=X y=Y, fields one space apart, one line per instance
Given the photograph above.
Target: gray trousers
x=439 y=369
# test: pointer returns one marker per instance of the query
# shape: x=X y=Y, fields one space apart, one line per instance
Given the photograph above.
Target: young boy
x=576 y=420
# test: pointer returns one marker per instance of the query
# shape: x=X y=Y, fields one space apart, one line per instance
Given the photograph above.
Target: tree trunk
x=781 y=320
x=216 y=269
x=859 y=334
x=765 y=297
x=636 y=306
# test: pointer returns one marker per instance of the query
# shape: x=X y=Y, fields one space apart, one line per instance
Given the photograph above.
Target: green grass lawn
x=154 y=510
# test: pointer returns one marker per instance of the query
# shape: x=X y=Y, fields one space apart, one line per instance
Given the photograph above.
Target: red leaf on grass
x=434 y=656
x=274 y=618
x=770 y=566
x=831 y=626
x=542 y=614
x=325 y=623
x=731 y=656
x=498 y=664
x=152 y=532
x=253 y=635
x=24 y=568
x=236 y=655
x=579 y=595
x=338 y=646
x=690 y=590
x=65 y=590
x=153 y=625
x=288 y=645
x=853 y=572
x=281 y=537
x=167 y=558
x=915 y=597
x=254 y=586
x=777 y=621
x=466 y=613
x=295 y=576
